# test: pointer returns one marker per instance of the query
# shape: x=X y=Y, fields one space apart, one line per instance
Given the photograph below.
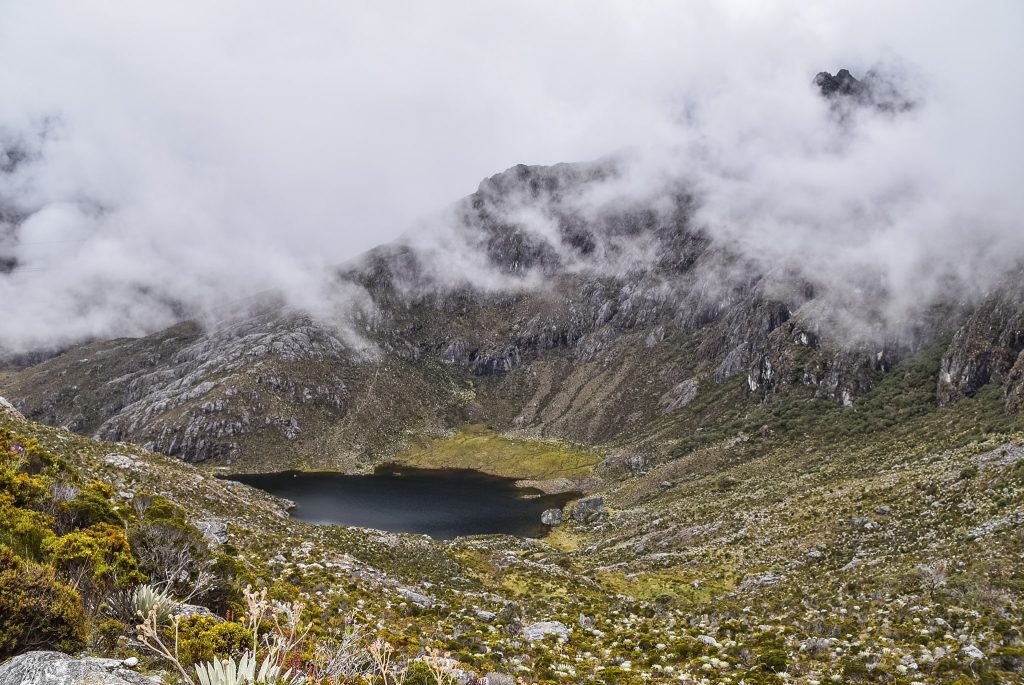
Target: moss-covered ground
x=478 y=447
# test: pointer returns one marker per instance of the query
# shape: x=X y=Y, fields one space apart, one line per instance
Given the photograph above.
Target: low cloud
x=170 y=160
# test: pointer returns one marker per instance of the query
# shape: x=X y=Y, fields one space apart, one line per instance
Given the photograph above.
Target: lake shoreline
x=441 y=503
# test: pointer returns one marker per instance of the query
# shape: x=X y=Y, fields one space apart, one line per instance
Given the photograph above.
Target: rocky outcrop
x=417 y=598
x=184 y=610
x=679 y=396
x=876 y=90
x=579 y=338
x=988 y=348
x=588 y=509
x=843 y=84
x=793 y=354
x=9 y=408
x=213 y=530
x=55 y=668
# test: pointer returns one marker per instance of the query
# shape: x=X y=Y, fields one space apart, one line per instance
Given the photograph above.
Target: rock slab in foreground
x=55 y=668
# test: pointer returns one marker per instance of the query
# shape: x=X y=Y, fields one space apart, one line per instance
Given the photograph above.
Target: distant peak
x=843 y=83
x=874 y=89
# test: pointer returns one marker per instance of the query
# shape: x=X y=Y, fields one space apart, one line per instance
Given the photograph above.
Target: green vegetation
x=478 y=447
x=203 y=639
x=37 y=610
x=791 y=541
x=66 y=563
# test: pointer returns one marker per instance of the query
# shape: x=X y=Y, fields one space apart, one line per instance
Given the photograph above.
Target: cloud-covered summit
x=161 y=162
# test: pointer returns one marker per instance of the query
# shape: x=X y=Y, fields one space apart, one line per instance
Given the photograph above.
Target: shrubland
x=789 y=540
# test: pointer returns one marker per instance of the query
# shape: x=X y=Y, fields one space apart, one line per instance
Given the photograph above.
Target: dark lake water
x=442 y=503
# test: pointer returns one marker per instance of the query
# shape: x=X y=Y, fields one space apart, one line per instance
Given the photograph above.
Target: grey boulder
x=213 y=530
x=417 y=598
x=551 y=517
x=499 y=679
x=588 y=509
x=189 y=610
x=541 y=629
x=55 y=668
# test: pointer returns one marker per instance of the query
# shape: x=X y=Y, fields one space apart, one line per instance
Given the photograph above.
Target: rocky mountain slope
x=777 y=490
x=798 y=541
x=596 y=331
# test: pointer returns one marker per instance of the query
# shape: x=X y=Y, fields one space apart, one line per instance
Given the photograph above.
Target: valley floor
x=799 y=543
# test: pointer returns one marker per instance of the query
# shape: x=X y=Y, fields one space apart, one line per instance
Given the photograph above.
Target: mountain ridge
x=560 y=327
x=783 y=476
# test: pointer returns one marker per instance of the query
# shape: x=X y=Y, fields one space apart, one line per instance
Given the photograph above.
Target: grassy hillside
x=793 y=540
x=477 y=447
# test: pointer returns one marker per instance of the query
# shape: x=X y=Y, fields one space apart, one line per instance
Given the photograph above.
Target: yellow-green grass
x=676 y=586
x=480 y=448
x=563 y=539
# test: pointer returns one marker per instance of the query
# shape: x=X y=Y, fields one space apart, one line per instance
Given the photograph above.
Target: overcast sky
x=204 y=150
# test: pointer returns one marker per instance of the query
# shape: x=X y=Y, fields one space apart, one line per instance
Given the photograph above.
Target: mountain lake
x=441 y=503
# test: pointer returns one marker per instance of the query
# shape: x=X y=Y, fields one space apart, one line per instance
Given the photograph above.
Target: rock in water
x=551 y=517
x=54 y=668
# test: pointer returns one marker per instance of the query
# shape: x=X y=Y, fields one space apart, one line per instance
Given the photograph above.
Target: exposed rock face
x=843 y=83
x=988 y=348
x=679 y=396
x=605 y=348
x=55 y=668
x=6 y=406
x=874 y=90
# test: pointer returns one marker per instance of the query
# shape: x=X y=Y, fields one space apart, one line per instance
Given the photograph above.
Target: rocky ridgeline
x=876 y=90
x=532 y=354
x=988 y=348
x=816 y=552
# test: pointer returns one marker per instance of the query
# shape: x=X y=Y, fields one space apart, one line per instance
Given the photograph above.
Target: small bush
x=107 y=634
x=96 y=560
x=90 y=507
x=968 y=472
x=170 y=550
x=24 y=531
x=37 y=611
x=203 y=639
x=774 y=661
